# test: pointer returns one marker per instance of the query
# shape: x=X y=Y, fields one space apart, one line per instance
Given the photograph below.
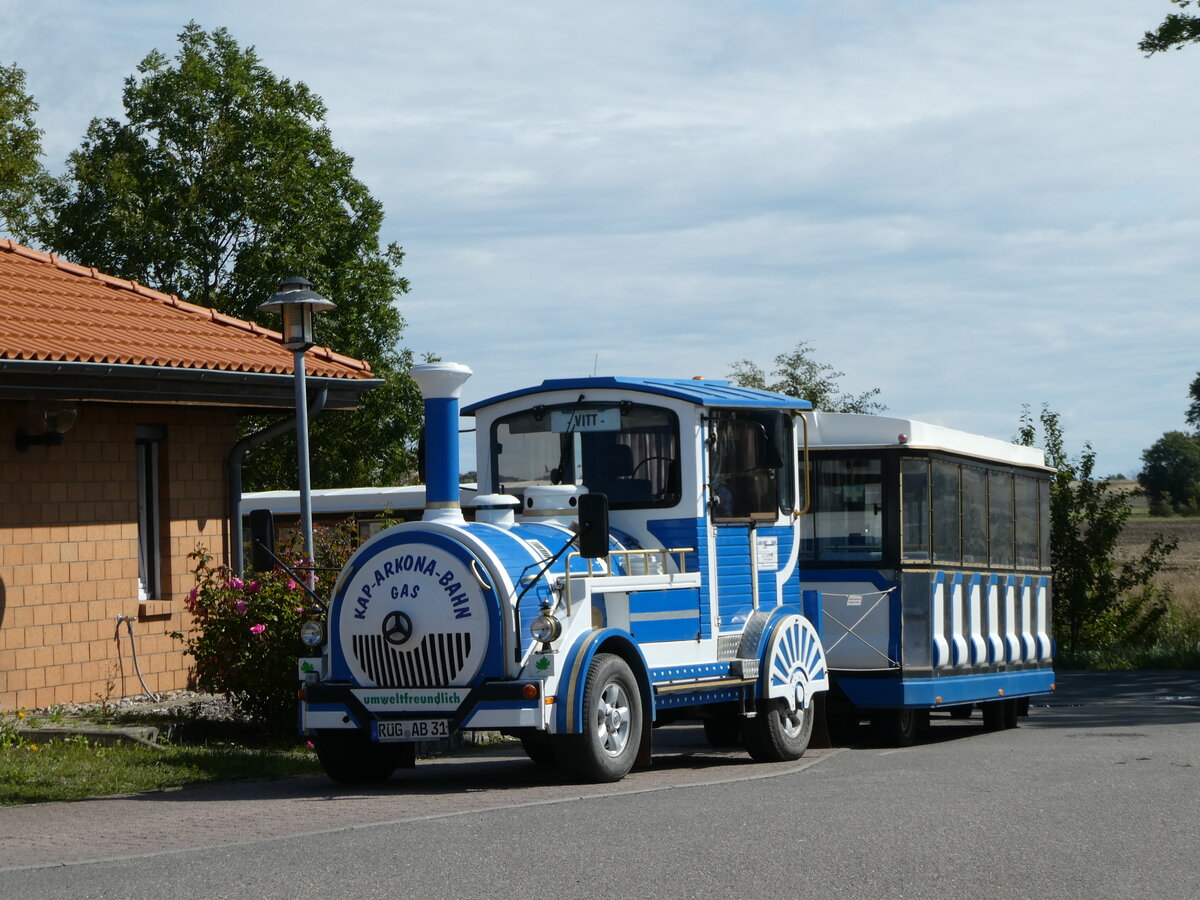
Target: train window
x=846 y=520
x=1000 y=518
x=945 y=512
x=974 y=515
x=749 y=451
x=627 y=451
x=1025 y=493
x=914 y=487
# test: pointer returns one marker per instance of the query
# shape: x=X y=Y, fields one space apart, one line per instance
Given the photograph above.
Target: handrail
x=628 y=556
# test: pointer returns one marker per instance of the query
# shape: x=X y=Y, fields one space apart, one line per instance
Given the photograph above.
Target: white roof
x=851 y=430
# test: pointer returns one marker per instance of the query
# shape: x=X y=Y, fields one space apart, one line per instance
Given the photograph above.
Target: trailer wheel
x=612 y=723
x=1011 y=710
x=997 y=714
x=895 y=727
x=778 y=734
x=725 y=731
x=540 y=749
x=350 y=757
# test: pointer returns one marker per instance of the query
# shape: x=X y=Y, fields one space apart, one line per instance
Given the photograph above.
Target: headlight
x=312 y=634
x=545 y=629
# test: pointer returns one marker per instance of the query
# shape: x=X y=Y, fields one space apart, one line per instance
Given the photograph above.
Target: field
x=1182 y=571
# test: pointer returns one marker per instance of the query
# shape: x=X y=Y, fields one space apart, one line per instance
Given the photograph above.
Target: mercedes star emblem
x=397 y=627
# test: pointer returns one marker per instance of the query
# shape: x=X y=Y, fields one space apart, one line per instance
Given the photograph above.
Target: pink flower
x=257 y=629
x=236 y=583
x=252 y=587
x=291 y=585
x=300 y=609
x=309 y=745
x=240 y=606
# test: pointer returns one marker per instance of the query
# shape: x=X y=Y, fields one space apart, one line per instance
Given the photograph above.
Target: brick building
x=119 y=407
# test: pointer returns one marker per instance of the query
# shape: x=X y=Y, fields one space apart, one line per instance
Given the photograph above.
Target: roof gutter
x=237 y=456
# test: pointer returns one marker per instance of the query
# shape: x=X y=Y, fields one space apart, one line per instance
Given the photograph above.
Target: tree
x=1193 y=410
x=1176 y=30
x=223 y=180
x=1170 y=473
x=23 y=180
x=799 y=375
x=1098 y=601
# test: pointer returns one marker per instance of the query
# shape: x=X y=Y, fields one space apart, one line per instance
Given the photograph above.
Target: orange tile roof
x=54 y=310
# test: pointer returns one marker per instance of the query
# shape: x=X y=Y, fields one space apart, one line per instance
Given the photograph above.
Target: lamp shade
x=296 y=303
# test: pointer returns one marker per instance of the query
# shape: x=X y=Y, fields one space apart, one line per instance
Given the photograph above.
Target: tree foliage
x=1193 y=410
x=1176 y=30
x=23 y=180
x=1170 y=473
x=1099 y=601
x=797 y=374
x=222 y=180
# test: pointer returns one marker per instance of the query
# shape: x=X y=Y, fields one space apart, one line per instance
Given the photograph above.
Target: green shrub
x=245 y=634
x=245 y=638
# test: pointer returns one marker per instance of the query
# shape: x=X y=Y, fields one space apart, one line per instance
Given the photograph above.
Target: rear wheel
x=997 y=714
x=612 y=723
x=895 y=727
x=350 y=757
x=778 y=734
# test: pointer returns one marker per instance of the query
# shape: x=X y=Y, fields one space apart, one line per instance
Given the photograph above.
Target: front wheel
x=350 y=757
x=612 y=723
x=778 y=734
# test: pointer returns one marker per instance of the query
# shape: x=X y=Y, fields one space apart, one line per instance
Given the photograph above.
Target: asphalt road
x=1096 y=795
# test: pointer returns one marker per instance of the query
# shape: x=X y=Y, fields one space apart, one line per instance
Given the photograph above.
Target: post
x=302 y=458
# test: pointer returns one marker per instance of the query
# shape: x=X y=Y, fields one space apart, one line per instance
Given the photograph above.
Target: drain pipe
x=128 y=620
x=237 y=456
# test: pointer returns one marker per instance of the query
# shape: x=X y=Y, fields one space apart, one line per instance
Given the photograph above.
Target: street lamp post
x=296 y=302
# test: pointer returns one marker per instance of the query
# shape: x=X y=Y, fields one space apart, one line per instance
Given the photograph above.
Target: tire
x=778 y=734
x=350 y=757
x=540 y=749
x=895 y=727
x=993 y=715
x=1011 y=710
x=612 y=723
x=725 y=731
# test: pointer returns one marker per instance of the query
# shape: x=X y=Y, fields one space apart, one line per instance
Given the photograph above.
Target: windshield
x=627 y=451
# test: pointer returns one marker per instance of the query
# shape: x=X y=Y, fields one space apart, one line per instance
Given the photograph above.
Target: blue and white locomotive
x=633 y=559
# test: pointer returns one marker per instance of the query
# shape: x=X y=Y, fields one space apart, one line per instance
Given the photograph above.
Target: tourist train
x=641 y=551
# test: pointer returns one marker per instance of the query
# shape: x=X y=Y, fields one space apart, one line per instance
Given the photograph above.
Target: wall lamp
x=49 y=424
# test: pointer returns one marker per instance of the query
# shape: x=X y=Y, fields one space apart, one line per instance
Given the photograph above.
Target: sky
x=970 y=206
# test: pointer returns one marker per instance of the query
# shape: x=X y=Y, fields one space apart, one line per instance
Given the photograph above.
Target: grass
x=196 y=750
x=76 y=768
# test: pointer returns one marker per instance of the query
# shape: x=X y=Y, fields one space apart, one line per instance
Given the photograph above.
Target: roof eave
x=123 y=383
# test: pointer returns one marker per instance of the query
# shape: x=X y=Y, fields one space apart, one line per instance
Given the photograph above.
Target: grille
x=436 y=661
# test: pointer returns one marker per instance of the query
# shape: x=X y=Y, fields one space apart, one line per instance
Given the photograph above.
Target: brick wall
x=69 y=554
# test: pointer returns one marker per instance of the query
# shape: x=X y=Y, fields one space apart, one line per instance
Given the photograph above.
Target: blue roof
x=700 y=392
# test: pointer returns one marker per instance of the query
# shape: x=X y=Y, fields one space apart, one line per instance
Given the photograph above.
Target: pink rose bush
x=244 y=637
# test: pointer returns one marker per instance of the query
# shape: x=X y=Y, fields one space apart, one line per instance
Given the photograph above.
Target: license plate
x=412 y=730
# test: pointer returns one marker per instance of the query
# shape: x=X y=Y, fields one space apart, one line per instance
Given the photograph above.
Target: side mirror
x=593 y=526
x=262 y=540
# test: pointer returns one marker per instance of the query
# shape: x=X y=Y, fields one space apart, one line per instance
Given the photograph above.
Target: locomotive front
x=422 y=639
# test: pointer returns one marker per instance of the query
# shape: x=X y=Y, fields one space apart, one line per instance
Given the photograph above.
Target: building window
x=149 y=441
